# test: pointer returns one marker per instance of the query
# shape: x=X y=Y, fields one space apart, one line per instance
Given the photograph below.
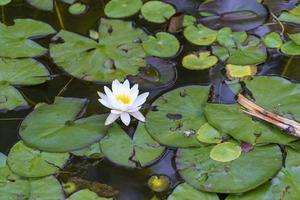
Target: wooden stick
x=290 y=126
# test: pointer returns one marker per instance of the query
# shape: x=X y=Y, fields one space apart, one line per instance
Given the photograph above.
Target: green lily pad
x=117 y=54
x=14 y=42
x=77 y=8
x=57 y=128
x=46 y=5
x=225 y=152
x=86 y=195
x=176 y=116
x=272 y=40
x=188 y=20
x=162 y=45
x=295 y=38
x=290 y=48
x=208 y=134
x=140 y=151
x=283 y=100
x=292 y=16
x=185 y=192
x=199 y=62
x=157 y=11
x=4 y=2
x=284 y=186
x=122 y=8
x=248 y=171
x=200 y=35
x=27 y=162
x=240 y=72
x=91 y=152
x=228 y=39
x=18 y=72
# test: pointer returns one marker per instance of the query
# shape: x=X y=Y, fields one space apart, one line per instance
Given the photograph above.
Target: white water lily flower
x=123 y=102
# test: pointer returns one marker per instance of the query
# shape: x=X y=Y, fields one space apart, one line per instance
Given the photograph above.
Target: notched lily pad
x=292 y=16
x=290 y=48
x=240 y=72
x=200 y=35
x=186 y=102
x=272 y=40
x=58 y=128
x=225 y=152
x=117 y=54
x=140 y=151
x=157 y=11
x=200 y=61
x=228 y=39
x=122 y=8
x=27 y=162
x=248 y=171
x=162 y=45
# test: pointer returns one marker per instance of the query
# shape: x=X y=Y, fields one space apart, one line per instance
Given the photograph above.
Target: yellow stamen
x=124 y=98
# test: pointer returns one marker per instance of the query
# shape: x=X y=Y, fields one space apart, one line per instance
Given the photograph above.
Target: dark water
x=131 y=183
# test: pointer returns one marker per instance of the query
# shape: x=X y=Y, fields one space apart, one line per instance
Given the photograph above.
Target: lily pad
x=157 y=11
x=122 y=8
x=18 y=72
x=117 y=54
x=4 y=2
x=290 y=48
x=86 y=195
x=91 y=152
x=15 y=42
x=162 y=45
x=176 y=116
x=77 y=8
x=27 y=162
x=240 y=72
x=208 y=134
x=272 y=40
x=58 y=128
x=199 y=62
x=292 y=16
x=200 y=35
x=47 y=5
x=228 y=39
x=185 y=192
x=283 y=99
x=225 y=152
x=283 y=186
x=295 y=38
x=248 y=171
x=140 y=151
x=238 y=15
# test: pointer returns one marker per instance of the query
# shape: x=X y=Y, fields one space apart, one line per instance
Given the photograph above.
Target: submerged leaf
x=157 y=11
x=77 y=8
x=122 y=8
x=199 y=62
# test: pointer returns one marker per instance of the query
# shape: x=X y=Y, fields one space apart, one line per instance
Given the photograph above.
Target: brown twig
x=288 y=125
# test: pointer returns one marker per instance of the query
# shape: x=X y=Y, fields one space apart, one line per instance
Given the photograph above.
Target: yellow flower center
x=124 y=98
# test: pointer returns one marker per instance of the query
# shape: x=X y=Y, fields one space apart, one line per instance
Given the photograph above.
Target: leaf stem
x=59 y=15
x=65 y=87
x=279 y=22
x=286 y=67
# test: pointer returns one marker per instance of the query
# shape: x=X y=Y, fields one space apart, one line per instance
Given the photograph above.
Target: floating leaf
x=157 y=11
x=188 y=20
x=140 y=151
x=4 y=2
x=46 y=5
x=86 y=195
x=248 y=171
x=295 y=37
x=185 y=192
x=91 y=152
x=225 y=152
x=290 y=48
x=272 y=40
x=199 y=62
x=208 y=134
x=277 y=6
x=292 y=16
x=117 y=54
x=228 y=39
x=240 y=72
x=77 y=8
x=200 y=35
x=14 y=42
x=283 y=99
x=56 y=127
x=122 y=8
x=162 y=45
x=27 y=162
x=18 y=72
x=238 y=15
x=176 y=116
x=283 y=186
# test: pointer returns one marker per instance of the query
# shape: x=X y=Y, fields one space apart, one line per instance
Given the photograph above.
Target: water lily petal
x=133 y=109
x=105 y=103
x=141 y=99
x=111 y=118
x=118 y=112
x=125 y=117
x=115 y=86
x=138 y=115
x=134 y=92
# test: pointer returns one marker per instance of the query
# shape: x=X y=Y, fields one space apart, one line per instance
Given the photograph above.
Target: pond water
x=131 y=183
